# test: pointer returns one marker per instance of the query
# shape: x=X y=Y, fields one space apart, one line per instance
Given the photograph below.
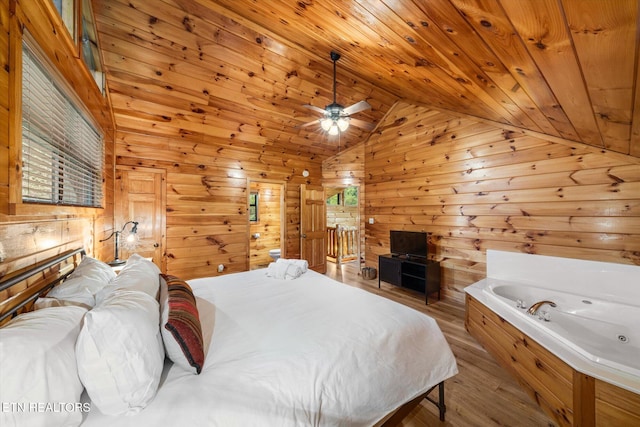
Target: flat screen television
x=408 y=243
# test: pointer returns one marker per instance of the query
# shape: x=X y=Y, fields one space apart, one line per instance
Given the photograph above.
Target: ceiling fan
x=336 y=118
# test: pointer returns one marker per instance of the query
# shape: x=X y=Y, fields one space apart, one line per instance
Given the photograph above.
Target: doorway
x=313 y=228
x=140 y=196
x=266 y=222
x=343 y=224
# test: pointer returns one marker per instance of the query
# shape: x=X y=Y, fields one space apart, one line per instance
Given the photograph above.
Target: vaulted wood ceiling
x=241 y=70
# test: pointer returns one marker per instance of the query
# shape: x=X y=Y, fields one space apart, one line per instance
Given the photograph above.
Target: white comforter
x=304 y=352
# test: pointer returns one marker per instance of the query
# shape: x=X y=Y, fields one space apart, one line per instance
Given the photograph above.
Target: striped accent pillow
x=181 y=329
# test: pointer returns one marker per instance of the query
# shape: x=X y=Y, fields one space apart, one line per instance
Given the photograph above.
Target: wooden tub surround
x=572 y=389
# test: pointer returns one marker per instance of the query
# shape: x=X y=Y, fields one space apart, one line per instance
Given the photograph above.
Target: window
x=89 y=48
x=334 y=200
x=351 y=196
x=253 y=206
x=345 y=197
x=67 y=11
x=62 y=151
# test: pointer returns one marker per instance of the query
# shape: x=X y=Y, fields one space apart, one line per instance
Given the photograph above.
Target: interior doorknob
x=155 y=245
x=304 y=236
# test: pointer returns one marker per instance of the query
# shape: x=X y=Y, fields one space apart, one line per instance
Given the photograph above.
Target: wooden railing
x=342 y=243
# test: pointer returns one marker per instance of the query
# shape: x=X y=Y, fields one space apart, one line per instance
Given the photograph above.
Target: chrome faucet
x=535 y=307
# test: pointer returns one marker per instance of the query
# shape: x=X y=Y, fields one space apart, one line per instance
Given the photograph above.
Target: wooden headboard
x=19 y=289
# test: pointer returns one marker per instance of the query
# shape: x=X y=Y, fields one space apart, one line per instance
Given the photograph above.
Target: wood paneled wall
x=270 y=199
x=207 y=220
x=478 y=186
x=28 y=232
x=346 y=216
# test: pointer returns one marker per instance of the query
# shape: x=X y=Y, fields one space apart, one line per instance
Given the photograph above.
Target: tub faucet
x=535 y=307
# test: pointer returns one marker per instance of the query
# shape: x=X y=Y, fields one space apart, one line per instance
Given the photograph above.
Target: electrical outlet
x=220 y=268
x=371 y=221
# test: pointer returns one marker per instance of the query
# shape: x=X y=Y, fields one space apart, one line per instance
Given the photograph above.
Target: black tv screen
x=409 y=243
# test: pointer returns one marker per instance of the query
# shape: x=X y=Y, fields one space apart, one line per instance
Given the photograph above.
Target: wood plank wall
x=345 y=216
x=207 y=194
x=31 y=233
x=477 y=186
x=207 y=187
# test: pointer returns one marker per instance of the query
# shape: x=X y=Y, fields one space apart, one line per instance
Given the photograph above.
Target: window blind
x=62 y=152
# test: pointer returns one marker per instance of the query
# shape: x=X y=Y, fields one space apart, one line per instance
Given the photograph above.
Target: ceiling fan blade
x=313 y=122
x=362 y=124
x=356 y=108
x=314 y=108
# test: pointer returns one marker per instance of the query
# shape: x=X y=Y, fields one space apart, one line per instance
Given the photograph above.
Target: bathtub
x=598 y=330
x=597 y=334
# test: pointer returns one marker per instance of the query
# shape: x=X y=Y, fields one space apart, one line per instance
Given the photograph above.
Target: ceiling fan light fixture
x=343 y=123
x=336 y=118
x=326 y=123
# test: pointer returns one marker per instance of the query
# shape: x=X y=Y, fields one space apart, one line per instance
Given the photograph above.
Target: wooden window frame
x=254 y=204
x=19 y=28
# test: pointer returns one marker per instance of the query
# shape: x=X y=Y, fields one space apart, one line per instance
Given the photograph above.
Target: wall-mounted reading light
x=131 y=238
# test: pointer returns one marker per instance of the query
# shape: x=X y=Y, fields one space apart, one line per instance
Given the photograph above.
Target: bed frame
x=405 y=409
x=18 y=291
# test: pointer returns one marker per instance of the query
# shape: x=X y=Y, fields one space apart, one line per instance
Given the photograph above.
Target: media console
x=418 y=274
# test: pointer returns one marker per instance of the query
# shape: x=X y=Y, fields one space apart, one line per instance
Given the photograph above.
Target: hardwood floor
x=482 y=394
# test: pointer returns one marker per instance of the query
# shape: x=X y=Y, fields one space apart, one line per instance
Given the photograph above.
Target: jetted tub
x=595 y=326
x=599 y=330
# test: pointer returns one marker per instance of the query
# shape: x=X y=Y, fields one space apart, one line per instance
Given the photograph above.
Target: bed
x=309 y=351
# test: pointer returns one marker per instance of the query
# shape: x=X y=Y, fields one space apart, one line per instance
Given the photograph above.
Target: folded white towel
x=284 y=271
x=302 y=263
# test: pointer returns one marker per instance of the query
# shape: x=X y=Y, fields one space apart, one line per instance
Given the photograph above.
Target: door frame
x=283 y=210
x=359 y=216
x=163 y=206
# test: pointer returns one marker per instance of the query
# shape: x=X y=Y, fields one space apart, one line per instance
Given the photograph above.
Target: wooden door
x=141 y=196
x=313 y=224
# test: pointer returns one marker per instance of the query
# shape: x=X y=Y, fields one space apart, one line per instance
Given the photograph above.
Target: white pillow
x=139 y=274
x=120 y=353
x=94 y=269
x=38 y=371
x=83 y=283
x=79 y=289
x=44 y=302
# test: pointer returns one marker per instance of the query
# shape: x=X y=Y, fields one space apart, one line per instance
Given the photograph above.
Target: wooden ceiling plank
x=603 y=35
x=450 y=20
x=423 y=57
x=260 y=67
x=490 y=22
x=340 y=37
x=248 y=66
x=454 y=61
x=542 y=27
x=132 y=84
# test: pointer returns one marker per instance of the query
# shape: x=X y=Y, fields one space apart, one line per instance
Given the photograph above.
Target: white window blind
x=62 y=152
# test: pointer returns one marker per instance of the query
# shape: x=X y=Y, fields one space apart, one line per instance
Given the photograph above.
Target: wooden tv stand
x=418 y=274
